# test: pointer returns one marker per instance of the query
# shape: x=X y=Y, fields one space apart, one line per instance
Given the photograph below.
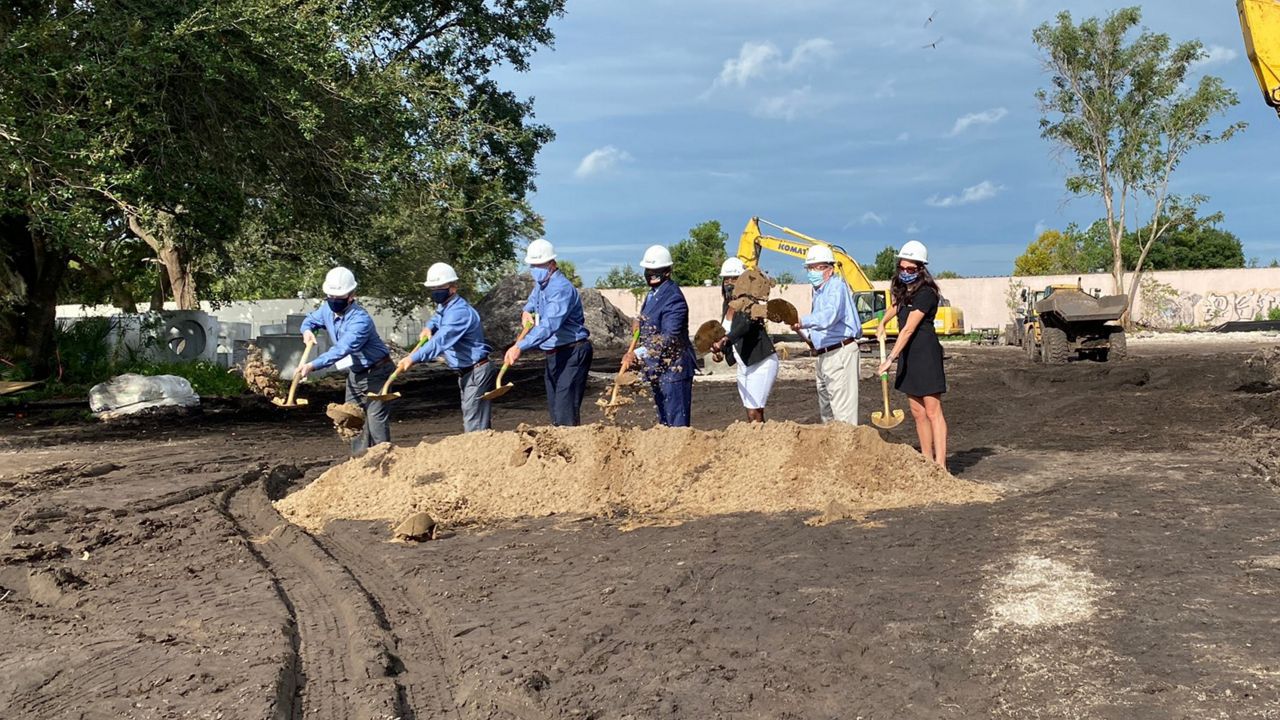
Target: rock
x=500 y=313
x=131 y=393
x=419 y=526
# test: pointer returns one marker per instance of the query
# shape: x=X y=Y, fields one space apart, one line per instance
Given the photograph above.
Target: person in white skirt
x=749 y=347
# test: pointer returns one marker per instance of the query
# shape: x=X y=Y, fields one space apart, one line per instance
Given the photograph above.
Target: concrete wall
x=1166 y=300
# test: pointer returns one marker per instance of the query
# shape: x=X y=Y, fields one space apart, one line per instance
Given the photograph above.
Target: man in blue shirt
x=834 y=329
x=455 y=332
x=664 y=341
x=560 y=331
x=357 y=349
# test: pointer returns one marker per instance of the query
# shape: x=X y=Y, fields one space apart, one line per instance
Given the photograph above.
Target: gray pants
x=838 y=385
x=377 y=428
x=476 y=412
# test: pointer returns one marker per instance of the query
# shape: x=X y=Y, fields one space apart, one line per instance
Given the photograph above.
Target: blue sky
x=828 y=116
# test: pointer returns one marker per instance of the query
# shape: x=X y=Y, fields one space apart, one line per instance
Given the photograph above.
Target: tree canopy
x=699 y=256
x=885 y=264
x=1198 y=245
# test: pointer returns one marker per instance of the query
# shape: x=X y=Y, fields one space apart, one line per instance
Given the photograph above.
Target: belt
x=558 y=348
x=837 y=346
x=469 y=368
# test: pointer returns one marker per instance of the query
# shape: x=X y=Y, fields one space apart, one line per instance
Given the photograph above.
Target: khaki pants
x=838 y=385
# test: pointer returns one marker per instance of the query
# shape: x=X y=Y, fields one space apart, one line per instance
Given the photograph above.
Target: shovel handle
x=884 y=377
x=293 y=387
x=396 y=373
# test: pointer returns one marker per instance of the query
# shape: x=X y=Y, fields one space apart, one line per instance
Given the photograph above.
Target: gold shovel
x=293 y=387
x=623 y=378
x=886 y=419
x=385 y=396
x=781 y=311
x=498 y=388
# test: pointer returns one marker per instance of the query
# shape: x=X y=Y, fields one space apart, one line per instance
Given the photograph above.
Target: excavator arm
x=1260 y=23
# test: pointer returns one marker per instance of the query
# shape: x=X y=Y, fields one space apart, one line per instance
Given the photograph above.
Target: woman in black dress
x=914 y=300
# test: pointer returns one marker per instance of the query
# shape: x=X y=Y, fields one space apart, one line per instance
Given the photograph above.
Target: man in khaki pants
x=834 y=329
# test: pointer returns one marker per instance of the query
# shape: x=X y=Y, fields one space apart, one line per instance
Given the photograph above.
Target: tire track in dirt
x=427 y=690
x=344 y=666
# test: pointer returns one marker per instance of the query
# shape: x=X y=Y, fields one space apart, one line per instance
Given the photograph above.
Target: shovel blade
x=281 y=402
x=894 y=420
x=384 y=398
x=498 y=392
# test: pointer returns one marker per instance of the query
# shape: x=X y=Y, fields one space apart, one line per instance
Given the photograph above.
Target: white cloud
x=984 y=190
x=912 y=229
x=986 y=117
x=1040 y=228
x=600 y=160
x=758 y=59
x=784 y=107
x=1215 y=55
x=870 y=217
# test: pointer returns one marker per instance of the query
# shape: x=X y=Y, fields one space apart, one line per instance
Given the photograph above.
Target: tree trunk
x=178 y=269
x=32 y=274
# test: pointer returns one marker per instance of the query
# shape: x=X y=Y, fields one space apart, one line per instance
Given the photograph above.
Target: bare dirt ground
x=1130 y=570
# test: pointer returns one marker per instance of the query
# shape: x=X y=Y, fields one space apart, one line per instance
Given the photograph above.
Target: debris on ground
x=348 y=419
x=418 y=527
x=261 y=375
x=612 y=471
x=128 y=394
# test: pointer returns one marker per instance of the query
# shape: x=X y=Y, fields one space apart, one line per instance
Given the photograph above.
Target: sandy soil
x=1131 y=569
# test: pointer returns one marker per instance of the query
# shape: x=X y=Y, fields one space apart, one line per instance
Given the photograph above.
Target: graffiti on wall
x=1221 y=307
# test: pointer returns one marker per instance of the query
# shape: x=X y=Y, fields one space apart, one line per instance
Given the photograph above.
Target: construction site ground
x=1129 y=569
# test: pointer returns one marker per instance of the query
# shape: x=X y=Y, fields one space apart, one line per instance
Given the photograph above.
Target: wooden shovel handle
x=387 y=385
x=293 y=387
x=884 y=377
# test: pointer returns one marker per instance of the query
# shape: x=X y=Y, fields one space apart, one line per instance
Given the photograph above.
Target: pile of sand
x=837 y=470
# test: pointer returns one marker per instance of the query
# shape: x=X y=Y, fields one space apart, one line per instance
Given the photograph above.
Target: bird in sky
x=933 y=45
x=932 y=15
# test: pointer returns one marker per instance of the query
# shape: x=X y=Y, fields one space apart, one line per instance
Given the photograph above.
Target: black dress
x=920 y=362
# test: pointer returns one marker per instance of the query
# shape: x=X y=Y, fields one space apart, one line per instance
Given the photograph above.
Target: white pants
x=838 y=385
x=755 y=382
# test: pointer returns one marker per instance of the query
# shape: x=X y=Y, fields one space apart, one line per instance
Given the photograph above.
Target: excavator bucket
x=1260 y=23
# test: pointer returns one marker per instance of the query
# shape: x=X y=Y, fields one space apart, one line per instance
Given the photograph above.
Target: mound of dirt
x=261 y=375
x=610 y=471
x=500 y=313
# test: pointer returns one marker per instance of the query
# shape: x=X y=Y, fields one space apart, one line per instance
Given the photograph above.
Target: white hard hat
x=440 y=274
x=539 y=251
x=819 y=254
x=656 y=257
x=338 y=282
x=915 y=251
x=733 y=267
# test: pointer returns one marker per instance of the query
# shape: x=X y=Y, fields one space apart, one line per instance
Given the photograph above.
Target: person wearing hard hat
x=356 y=348
x=833 y=331
x=664 y=345
x=750 y=347
x=559 y=329
x=914 y=299
x=455 y=332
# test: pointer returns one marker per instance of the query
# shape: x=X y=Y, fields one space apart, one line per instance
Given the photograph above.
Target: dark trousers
x=566 y=379
x=377 y=427
x=674 y=400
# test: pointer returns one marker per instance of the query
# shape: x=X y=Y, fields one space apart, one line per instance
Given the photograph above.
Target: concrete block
x=285 y=352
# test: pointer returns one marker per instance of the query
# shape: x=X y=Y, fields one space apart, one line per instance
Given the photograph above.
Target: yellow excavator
x=1260 y=22
x=871 y=303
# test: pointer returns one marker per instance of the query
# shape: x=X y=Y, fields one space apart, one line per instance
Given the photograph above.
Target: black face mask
x=338 y=304
x=727 y=290
x=655 y=277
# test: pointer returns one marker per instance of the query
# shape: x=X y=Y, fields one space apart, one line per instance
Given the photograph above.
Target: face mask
x=815 y=277
x=540 y=275
x=654 y=277
x=440 y=296
x=728 y=291
x=908 y=278
x=338 y=304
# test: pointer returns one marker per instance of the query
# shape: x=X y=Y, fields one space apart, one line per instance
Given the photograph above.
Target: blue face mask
x=908 y=278
x=540 y=275
x=440 y=296
x=815 y=277
x=337 y=305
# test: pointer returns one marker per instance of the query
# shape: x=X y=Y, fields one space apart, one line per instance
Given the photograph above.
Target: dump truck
x=1064 y=320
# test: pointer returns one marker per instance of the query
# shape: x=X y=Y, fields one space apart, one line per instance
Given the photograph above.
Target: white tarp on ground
x=128 y=394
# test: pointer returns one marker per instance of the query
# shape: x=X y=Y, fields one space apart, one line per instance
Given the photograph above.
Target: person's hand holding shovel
x=512 y=356
x=405 y=363
x=303 y=371
x=308 y=337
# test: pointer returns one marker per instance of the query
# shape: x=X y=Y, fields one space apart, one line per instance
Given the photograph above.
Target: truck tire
x=1056 y=347
x=1119 y=346
x=1029 y=347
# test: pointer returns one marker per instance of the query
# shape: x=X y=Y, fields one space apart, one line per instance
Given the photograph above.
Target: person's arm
x=555 y=308
x=824 y=312
x=445 y=336
x=357 y=332
x=891 y=311
x=310 y=324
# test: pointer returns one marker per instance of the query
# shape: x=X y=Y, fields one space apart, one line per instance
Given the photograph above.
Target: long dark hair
x=902 y=292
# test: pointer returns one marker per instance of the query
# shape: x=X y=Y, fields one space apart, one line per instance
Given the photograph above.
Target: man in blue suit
x=664 y=341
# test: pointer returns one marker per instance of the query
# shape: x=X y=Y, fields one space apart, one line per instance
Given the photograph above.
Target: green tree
x=1052 y=253
x=885 y=264
x=1125 y=109
x=698 y=257
x=623 y=276
x=948 y=275
x=570 y=271
x=786 y=277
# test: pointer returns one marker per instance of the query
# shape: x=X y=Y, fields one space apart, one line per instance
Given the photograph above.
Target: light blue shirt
x=834 y=317
x=352 y=333
x=559 y=309
x=457 y=334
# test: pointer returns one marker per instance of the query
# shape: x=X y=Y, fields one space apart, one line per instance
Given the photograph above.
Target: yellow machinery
x=1260 y=22
x=871 y=303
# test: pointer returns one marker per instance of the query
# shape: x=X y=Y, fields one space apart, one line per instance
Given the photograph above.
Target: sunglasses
x=909 y=268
